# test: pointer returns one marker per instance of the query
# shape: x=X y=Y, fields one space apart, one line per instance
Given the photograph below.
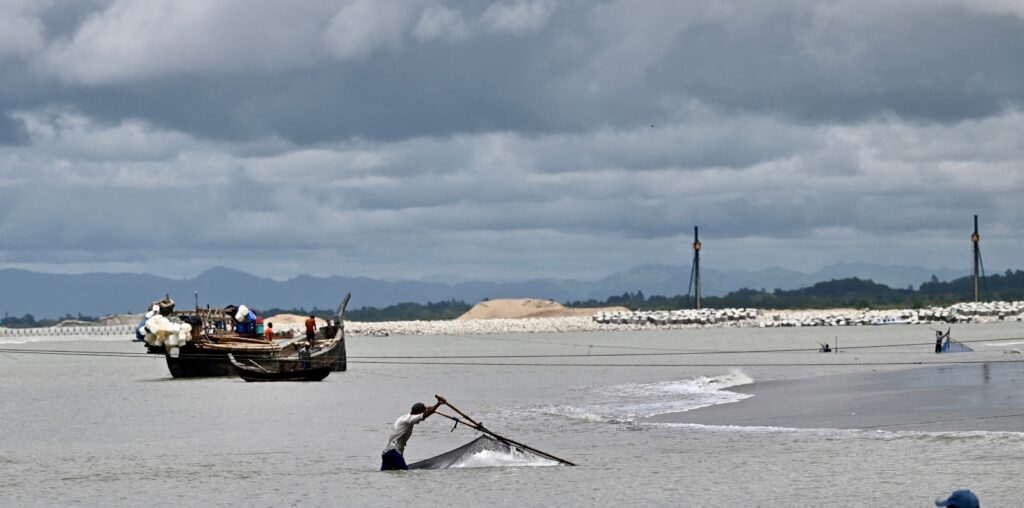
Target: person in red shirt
x=310 y=329
x=269 y=332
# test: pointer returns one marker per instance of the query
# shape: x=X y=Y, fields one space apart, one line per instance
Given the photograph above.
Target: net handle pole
x=455 y=419
x=464 y=415
x=480 y=427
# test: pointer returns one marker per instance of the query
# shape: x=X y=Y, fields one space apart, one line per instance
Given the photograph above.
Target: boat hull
x=192 y=361
x=185 y=368
x=314 y=367
x=199 y=363
x=312 y=374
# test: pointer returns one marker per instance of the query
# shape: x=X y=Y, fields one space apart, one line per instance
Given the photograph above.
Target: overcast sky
x=508 y=140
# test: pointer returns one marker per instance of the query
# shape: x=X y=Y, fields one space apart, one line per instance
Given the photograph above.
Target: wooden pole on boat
x=696 y=268
x=341 y=308
x=480 y=427
x=341 y=360
x=975 y=239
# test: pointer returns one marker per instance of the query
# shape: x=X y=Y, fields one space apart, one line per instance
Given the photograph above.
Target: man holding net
x=392 y=458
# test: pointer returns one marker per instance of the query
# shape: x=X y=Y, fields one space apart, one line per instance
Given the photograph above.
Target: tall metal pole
x=696 y=267
x=975 y=238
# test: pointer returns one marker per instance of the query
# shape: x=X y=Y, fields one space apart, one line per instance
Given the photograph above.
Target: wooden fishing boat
x=214 y=338
x=315 y=366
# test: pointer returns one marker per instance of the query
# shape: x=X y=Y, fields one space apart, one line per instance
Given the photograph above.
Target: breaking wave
x=627 y=403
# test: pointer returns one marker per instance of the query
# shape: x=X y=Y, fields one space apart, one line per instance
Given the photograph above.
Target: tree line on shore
x=30 y=321
x=408 y=311
x=849 y=292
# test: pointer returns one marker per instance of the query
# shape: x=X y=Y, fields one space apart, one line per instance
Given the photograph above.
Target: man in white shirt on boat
x=392 y=458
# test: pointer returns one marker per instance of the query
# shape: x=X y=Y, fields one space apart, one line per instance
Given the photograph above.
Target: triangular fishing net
x=953 y=346
x=484 y=451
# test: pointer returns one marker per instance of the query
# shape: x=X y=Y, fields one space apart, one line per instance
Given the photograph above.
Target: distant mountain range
x=47 y=295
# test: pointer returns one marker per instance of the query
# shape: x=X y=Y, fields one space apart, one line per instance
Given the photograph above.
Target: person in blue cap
x=960 y=499
x=391 y=458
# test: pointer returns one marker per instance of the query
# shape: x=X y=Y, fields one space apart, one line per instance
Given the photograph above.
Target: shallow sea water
x=97 y=431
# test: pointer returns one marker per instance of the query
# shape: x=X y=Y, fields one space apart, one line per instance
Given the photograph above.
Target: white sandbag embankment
x=617 y=320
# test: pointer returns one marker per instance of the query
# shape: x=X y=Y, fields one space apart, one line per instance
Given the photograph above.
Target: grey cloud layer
x=512 y=138
x=318 y=71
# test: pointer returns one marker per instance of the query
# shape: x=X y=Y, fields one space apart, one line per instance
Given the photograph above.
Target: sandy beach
x=959 y=397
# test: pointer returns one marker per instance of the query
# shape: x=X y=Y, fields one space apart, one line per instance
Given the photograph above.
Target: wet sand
x=961 y=397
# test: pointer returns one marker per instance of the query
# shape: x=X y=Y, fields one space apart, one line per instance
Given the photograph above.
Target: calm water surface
x=98 y=431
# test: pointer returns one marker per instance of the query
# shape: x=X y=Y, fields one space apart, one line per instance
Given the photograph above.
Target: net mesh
x=484 y=451
x=952 y=346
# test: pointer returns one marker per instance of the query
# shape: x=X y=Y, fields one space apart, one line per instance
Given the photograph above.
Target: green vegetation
x=30 y=321
x=852 y=292
x=433 y=311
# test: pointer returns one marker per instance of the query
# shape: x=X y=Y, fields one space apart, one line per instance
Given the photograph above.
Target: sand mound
x=527 y=308
x=292 y=321
x=119 y=319
x=113 y=320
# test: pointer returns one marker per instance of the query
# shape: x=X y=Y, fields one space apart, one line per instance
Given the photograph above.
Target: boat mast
x=975 y=238
x=696 y=268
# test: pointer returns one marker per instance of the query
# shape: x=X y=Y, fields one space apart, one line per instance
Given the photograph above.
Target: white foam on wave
x=492 y=458
x=632 y=401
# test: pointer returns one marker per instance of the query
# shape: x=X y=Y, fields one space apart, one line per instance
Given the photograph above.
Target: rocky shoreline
x=682 y=319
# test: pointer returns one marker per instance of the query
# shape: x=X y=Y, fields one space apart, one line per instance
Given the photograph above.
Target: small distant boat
x=313 y=367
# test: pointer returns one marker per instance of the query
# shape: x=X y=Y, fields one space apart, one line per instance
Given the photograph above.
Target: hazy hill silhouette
x=48 y=295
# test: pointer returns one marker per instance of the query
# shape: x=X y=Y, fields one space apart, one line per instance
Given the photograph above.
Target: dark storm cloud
x=509 y=138
x=941 y=64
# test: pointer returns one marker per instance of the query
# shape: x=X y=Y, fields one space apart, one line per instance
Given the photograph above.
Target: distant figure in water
x=960 y=499
x=391 y=458
x=938 y=341
x=268 y=334
x=310 y=329
x=825 y=348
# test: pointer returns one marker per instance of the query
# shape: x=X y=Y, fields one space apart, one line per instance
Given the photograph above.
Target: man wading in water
x=391 y=457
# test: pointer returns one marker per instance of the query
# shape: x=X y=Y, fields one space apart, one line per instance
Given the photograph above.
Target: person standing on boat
x=391 y=458
x=938 y=341
x=310 y=329
x=268 y=334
